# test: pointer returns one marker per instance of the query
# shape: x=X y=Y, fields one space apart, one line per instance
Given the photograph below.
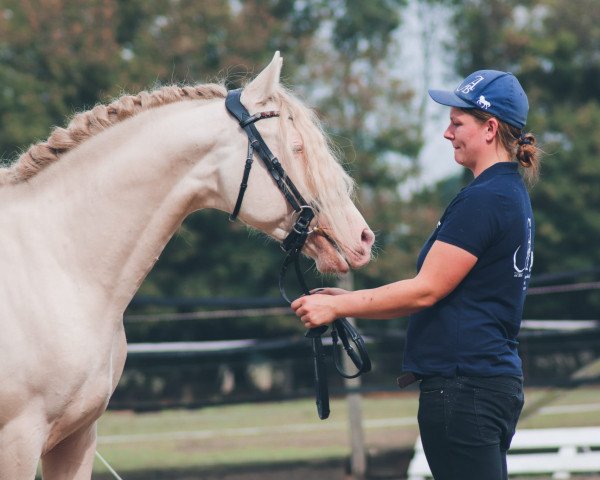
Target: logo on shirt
x=522 y=268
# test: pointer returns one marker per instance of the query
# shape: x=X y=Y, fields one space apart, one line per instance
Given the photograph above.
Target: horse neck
x=109 y=212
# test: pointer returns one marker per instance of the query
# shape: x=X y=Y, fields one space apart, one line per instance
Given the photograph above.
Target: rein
x=341 y=329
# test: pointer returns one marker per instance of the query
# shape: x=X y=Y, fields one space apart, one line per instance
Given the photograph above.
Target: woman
x=467 y=298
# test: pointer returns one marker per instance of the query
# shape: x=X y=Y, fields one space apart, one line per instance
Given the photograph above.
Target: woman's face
x=468 y=138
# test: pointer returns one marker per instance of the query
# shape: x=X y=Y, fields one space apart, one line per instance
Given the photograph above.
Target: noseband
x=341 y=329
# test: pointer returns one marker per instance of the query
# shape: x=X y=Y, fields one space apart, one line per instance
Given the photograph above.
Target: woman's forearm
x=443 y=269
x=393 y=300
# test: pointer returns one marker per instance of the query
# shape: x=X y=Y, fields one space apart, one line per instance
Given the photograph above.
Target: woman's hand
x=315 y=310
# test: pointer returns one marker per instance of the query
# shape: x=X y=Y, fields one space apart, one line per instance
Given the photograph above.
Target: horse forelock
x=327 y=184
x=86 y=124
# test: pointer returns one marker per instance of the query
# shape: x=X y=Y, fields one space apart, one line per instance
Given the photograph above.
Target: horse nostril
x=367 y=237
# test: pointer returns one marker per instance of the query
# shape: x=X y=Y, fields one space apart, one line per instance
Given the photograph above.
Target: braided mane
x=87 y=124
x=321 y=176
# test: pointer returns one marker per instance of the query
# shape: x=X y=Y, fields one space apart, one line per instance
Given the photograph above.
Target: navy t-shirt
x=473 y=331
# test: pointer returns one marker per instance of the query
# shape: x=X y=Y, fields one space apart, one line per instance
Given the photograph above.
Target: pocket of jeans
x=497 y=415
x=431 y=406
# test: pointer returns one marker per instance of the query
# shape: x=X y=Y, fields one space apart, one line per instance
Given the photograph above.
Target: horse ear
x=262 y=88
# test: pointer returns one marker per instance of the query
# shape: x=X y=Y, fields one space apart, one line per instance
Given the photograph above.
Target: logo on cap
x=470 y=86
x=483 y=103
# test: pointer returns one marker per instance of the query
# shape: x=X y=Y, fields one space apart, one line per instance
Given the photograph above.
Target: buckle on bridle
x=302 y=223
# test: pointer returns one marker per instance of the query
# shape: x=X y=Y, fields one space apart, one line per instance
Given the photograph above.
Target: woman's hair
x=518 y=144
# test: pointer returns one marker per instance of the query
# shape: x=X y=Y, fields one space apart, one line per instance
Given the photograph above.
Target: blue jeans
x=467 y=424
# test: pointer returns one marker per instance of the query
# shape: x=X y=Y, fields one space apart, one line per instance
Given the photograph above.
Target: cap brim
x=449 y=99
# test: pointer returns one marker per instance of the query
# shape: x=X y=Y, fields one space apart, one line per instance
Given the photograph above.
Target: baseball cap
x=498 y=93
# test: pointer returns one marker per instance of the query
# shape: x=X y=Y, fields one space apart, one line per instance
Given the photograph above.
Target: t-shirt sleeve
x=472 y=222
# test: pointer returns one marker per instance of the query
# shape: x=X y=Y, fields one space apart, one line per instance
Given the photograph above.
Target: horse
x=85 y=216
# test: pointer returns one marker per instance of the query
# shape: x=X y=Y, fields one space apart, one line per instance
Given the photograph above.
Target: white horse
x=85 y=216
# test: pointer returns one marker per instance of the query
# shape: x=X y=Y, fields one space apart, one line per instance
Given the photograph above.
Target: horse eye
x=291 y=118
x=297 y=148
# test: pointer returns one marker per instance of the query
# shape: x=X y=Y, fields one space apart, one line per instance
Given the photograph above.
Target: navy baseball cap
x=498 y=93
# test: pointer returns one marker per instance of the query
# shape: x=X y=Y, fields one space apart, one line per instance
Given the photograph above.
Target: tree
x=369 y=111
x=55 y=57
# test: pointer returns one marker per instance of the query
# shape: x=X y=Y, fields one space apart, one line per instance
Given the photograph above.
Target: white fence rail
x=558 y=452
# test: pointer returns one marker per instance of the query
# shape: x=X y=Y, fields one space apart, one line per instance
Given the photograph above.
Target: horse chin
x=327 y=257
x=357 y=260
x=332 y=264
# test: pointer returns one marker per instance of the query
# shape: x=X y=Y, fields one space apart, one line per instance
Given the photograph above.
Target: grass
x=249 y=433
x=289 y=431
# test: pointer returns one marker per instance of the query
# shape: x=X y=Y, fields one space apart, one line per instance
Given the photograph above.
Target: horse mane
x=89 y=123
x=321 y=175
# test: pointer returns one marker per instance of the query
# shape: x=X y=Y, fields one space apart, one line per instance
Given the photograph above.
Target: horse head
x=340 y=236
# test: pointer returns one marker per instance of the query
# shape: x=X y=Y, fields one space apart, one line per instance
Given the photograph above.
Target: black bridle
x=341 y=329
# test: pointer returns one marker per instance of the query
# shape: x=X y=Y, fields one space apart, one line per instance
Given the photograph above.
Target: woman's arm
x=444 y=268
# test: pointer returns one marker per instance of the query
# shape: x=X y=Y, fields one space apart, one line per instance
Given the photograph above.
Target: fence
x=188 y=374
x=191 y=374
x=559 y=452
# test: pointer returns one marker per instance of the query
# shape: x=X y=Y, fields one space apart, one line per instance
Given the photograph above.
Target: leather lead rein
x=341 y=329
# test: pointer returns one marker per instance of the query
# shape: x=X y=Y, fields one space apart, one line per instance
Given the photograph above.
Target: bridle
x=297 y=237
x=341 y=329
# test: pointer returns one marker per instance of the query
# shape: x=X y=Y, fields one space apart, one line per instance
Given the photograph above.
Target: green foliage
x=364 y=26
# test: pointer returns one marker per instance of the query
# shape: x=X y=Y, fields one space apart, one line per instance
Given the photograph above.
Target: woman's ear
x=492 y=125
